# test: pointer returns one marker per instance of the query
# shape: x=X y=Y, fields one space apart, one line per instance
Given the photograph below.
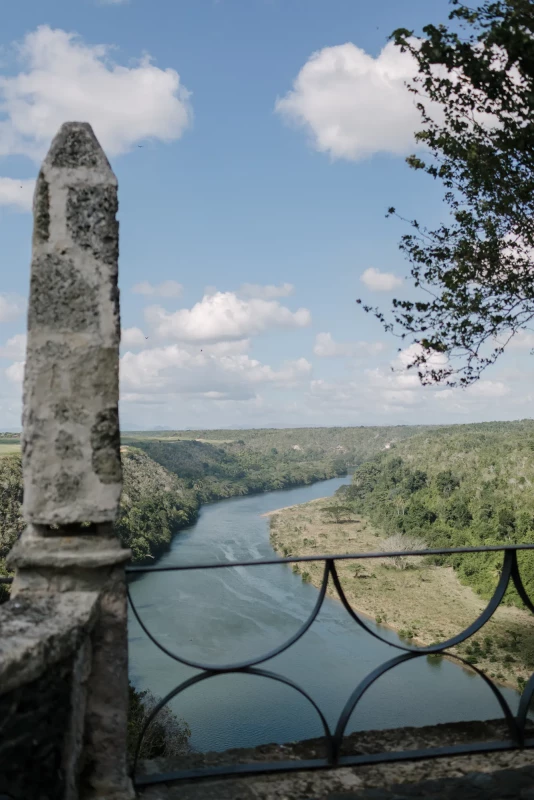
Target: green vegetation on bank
x=424 y=603
x=457 y=486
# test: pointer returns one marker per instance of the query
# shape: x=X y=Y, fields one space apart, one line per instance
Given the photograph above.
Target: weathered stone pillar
x=71 y=440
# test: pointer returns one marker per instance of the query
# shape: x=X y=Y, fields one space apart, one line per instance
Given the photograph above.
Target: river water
x=224 y=615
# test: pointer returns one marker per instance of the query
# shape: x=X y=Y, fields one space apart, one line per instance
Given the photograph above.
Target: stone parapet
x=45 y=662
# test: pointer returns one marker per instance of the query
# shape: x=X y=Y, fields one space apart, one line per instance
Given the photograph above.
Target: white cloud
x=165 y=289
x=408 y=354
x=11 y=307
x=483 y=388
x=15 y=372
x=266 y=292
x=132 y=337
x=354 y=105
x=63 y=78
x=326 y=347
x=522 y=341
x=17 y=193
x=224 y=317
x=380 y=281
x=15 y=347
x=181 y=371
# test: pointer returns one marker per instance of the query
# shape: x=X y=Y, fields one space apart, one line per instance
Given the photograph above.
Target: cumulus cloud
x=15 y=372
x=165 y=289
x=326 y=347
x=353 y=105
x=380 y=281
x=211 y=374
x=17 y=193
x=63 y=78
x=266 y=292
x=484 y=388
x=15 y=347
x=132 y=337
x=11 y=307
x=224 y=316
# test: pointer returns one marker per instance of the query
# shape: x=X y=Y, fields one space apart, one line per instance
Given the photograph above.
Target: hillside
x=154 y=504
x=216 y=472
x=352 y=445
x=455 y=486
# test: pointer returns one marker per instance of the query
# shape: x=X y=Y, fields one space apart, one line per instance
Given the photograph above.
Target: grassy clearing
x=8 y=449
x=422 y=603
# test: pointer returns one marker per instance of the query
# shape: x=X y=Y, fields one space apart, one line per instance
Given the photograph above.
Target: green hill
x=464 y=485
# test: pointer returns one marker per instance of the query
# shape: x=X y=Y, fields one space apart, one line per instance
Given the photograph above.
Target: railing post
x=71 y=438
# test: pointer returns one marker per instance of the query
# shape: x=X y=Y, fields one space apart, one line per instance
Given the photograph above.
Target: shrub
x=167 y=735
x=403 y=541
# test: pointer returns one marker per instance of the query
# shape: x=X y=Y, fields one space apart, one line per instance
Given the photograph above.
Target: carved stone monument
x=71 y=439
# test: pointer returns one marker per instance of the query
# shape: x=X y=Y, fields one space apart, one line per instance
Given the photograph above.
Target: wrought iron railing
x=516 y=724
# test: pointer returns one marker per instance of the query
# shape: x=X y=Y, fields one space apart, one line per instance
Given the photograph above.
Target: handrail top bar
x=333 y=557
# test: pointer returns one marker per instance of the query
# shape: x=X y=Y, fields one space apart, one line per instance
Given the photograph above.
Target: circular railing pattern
x=516 y=725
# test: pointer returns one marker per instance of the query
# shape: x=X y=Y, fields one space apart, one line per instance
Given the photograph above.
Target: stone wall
x=34 y=719
x=45 y=660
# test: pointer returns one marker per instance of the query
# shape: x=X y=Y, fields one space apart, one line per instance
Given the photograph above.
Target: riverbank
x=423 y=604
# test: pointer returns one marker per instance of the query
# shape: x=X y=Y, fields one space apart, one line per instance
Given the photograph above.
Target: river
x=224 y=615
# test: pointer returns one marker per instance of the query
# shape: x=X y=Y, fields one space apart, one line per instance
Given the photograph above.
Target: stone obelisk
x=71 y=438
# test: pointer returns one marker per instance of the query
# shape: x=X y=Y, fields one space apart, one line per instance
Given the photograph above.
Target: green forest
x=464 y=485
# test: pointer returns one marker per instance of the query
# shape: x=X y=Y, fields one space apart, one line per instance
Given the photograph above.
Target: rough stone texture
x=44 y=667
x=58 y=566
x=71 y=458
x=473 y=777
x=106 y=775
x=38 y=632
x=33 y=723
x=33 y=550
x=70 y=442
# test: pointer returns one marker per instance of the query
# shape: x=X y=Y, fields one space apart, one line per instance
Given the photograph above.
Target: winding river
x=224 y=615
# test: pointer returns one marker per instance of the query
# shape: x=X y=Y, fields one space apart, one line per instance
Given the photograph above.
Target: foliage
x=217 y=472
x=479 y=490
x=476 y=267
x=167 y=735
x=339 y=513
x=154 y=505
x=11 y=522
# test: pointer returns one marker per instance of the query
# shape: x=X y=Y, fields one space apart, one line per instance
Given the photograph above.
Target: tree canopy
x=475 y=92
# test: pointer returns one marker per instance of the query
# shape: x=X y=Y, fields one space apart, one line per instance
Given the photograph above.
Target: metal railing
x=516 y=724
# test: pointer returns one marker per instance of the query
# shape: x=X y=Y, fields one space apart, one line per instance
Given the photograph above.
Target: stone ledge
x=480 y=776
x=39 y=631
x=66 y=552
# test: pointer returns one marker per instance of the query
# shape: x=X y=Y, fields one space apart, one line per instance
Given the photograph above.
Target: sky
x=257 y=145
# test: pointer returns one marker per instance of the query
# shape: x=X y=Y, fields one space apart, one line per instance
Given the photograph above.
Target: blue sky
x=273 y=138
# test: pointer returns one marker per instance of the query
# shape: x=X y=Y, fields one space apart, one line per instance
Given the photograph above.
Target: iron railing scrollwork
x=516 y=724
